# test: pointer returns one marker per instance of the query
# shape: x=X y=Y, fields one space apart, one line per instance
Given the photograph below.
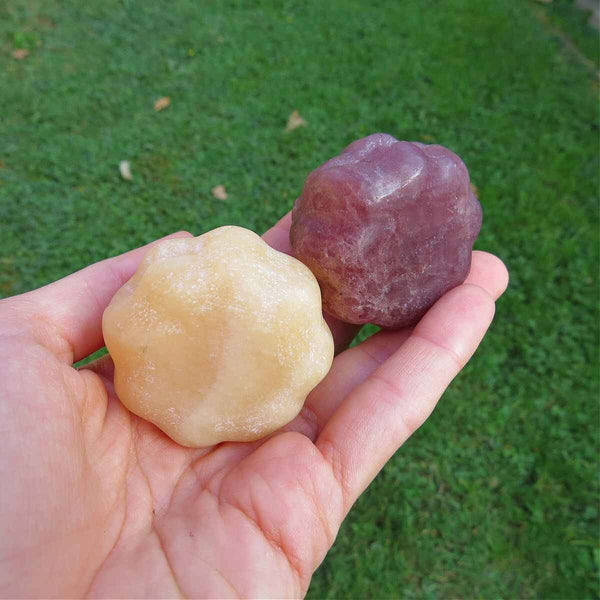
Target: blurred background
x=497 y=495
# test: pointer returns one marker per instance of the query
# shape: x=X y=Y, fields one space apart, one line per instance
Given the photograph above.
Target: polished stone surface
x=387 y=227
x=217 y=338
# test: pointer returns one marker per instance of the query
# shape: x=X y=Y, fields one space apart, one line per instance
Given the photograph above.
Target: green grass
x=497 y=495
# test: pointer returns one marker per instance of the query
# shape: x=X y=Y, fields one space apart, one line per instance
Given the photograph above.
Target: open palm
x=95 y=501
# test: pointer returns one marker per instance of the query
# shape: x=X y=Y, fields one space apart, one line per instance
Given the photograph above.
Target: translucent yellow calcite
x=217 y=338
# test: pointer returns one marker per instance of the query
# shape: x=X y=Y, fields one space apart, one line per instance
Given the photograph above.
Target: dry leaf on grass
x=427 y=138
x=475 y=189
x=162 y=103
x=20 y=53
x=294 y=121
x=219 y=192
x=125 y=170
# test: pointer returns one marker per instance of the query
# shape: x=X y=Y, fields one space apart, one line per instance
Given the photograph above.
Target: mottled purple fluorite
x=387 y=227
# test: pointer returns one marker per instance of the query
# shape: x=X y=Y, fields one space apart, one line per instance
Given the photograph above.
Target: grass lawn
x=497 y=495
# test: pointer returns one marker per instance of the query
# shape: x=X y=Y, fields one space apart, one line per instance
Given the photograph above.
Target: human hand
x=95 y=501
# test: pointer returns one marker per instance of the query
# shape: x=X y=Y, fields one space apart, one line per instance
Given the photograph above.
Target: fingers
x=278 y=237
x=103 y=366
x=74 y=305
x=353 y=366
x=489 y=272
x=349 y=370
x=343 y=333
x=395 y=398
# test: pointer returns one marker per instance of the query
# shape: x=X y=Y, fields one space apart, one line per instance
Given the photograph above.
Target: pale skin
x=97 y=502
